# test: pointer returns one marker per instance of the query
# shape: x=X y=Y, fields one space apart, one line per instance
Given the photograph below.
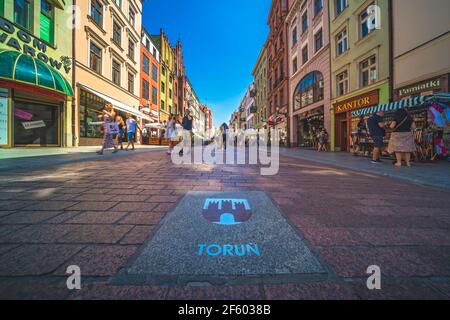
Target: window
x=309 y=90
x=130 y=83
x=342 y=83
x=117 y=34
x=163 y=87
x=154 y=72
x=318 y=41
x=91 y=107
x=47 y=27
x=132 y=17
x=154 y=95
x=145 y=90
x=97 y=12
x=145 y=64
x=116 y=72
x=2 y=7
x=118 y=3
x=163 y=105
x=294 y=36
x=22 y=13
x=95 y=61
x=170 y=93
x=342 y=42
x=131 y=49
x=305 y=22
x=340 y=6
x=364 y=29
x=318 y=5
x=163 y=70
x=368 y=71
x=294 y=65
x=305 y=55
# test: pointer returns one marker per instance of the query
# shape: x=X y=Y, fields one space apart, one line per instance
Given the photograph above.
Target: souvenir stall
x=431 y=115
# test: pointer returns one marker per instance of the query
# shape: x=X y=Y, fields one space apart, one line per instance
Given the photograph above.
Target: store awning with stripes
x=390 y=107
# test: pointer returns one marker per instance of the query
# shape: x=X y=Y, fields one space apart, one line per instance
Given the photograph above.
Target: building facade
x=309 y=69
x=149 y=75
x=35 y=74
x=260 y=80
x=278 y=95
x=107 y=64
x=178 y=88
x=360 y=63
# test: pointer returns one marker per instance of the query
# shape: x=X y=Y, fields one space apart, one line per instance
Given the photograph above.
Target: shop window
x=47 y=22
x=23 y=13
x=309 y=90
x=97 y=12
x=145 y=89
x=340 y=6
x=318 y=40
x=154 y=72
x=130 y=83
x=342 y=83
x=4 y=116
x=368 y=71
x=341 y=42
x=117 y=34
x=145 y=64
x=90 y=108
x=116 y=72
x=154 y=95
x=95 y=61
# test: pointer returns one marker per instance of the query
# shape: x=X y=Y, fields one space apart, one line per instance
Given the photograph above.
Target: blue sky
x=221 y=42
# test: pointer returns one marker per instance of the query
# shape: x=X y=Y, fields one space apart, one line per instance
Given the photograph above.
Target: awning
x=117 y=104
x=24 y=68
x=390 y=107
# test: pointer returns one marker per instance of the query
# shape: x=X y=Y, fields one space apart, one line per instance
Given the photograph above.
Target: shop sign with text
x=362 y=101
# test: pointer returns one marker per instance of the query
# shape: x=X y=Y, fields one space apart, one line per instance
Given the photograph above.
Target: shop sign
x=424 y=86
x=358 y=102
x=33 y=124
x=20 y=40
x=4 y=112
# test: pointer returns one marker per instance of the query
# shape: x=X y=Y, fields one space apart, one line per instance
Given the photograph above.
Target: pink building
x=309 y=71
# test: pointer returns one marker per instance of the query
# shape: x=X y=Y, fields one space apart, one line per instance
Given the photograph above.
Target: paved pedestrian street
x=140 y=227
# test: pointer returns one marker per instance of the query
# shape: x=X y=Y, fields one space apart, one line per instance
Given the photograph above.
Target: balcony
x=253 y=92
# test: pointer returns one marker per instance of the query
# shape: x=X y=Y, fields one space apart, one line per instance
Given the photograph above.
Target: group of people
x=172 y=132
x=401 y=141
x=114 y=127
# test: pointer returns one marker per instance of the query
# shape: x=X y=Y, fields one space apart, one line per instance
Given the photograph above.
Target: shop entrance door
x=341 y=132
x=36 y=124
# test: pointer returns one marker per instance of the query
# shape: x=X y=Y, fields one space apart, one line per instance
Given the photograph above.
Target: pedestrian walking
x=109 y=127
x=323 y=140
x=376 y=126
x=171 y=133
x=402 y=141
x=187 y=124
x=131 y=127
x=121 y=134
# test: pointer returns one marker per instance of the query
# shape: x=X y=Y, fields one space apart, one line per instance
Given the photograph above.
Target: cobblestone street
x=100 y=214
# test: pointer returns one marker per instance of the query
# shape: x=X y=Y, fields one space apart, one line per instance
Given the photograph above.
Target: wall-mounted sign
x=428 y=85
x=227 y=211
x=22 y=41
x=33 y=124
x=361 y=101
x=4 y=114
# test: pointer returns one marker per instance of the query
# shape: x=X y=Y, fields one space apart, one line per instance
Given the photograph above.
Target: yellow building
x=35 y=73
x=107 y=63
x=260 y=87
x=166 y=75
x=360 y=63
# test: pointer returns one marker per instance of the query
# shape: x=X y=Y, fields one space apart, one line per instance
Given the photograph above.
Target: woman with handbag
x=109 y=128
x=402 y=141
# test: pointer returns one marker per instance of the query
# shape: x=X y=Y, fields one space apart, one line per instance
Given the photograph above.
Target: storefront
x=279 y=122
x=149 y=134
x=309 y=125
x=35 y=103
x=344 y=123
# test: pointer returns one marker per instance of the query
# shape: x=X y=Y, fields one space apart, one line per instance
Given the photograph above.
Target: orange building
x=149 y=83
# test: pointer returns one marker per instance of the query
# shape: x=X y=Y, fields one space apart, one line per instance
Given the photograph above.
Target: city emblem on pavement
x=227 y=211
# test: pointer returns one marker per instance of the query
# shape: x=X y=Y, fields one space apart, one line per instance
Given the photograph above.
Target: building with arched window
x=309 y=61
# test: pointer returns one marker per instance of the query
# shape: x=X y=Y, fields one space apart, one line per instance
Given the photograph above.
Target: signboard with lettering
x=4 y=114
x=361 y=101
x=428 y=85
